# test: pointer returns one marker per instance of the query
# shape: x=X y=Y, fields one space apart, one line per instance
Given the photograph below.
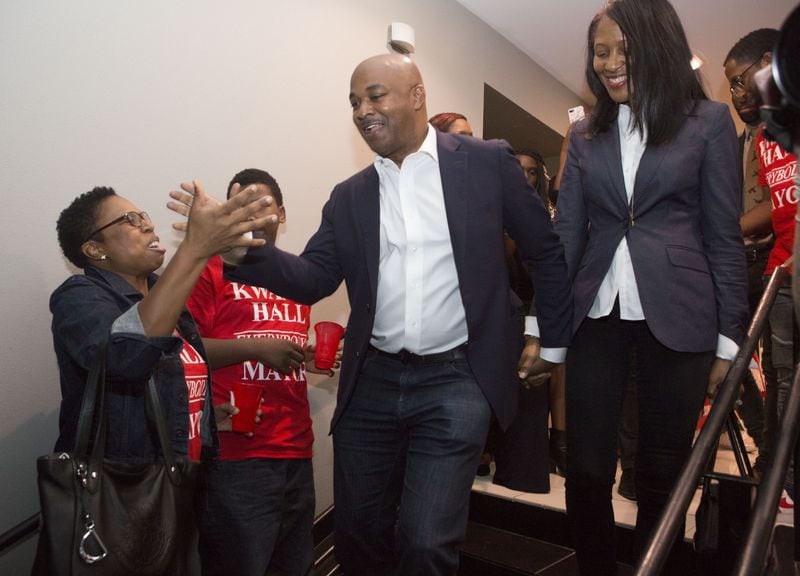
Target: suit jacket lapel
x=613 y=160
x=453 y=167
x=648 y=166
x=368 y=221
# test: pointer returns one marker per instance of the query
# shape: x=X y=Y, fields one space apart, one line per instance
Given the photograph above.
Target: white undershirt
x=419 y=305
x=620 y=279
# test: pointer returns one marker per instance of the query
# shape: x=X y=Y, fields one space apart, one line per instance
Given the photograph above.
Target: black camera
x=781 y=92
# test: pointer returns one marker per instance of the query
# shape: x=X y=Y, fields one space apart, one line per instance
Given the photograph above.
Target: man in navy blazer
x=429 y=353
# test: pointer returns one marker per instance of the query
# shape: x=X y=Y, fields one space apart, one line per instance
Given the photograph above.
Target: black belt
x=406 y=357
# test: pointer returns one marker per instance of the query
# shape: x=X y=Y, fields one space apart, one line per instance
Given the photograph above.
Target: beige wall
x=141 y=95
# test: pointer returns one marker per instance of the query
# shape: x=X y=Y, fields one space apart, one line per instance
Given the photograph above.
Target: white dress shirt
x=419 y=305
x=620 y=279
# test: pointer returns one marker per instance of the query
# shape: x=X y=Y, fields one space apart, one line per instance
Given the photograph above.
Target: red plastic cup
x=328 y=335
x=246 y=397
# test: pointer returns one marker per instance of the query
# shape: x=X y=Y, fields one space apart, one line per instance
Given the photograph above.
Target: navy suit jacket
x=484 y=192
x=685 y=243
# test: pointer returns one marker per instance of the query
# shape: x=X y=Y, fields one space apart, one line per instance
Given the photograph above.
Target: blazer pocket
x=687 y=258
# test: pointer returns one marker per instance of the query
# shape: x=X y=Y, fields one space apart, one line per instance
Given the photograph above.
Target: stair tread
x=516 y=551
x=519 y=554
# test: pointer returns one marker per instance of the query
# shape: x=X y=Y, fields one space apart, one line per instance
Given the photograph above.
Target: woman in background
x=452 y=123
x=648 y=215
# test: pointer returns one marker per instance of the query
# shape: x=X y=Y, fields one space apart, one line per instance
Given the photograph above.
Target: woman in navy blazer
x=649 y=217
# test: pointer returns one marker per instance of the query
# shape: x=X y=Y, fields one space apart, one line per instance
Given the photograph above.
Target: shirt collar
x=117 y=282
x=626 y=127
x=428 y=147
x=624 y=115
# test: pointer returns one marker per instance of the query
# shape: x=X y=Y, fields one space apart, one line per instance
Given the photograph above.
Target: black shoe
x=627 y=485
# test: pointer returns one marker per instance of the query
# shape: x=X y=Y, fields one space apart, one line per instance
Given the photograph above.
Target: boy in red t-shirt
x=257 y=508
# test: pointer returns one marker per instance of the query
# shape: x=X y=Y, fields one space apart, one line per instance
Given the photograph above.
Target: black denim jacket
x=96 y=305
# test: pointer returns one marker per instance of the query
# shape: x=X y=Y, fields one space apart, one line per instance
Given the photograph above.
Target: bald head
x=388 y=101
x=402 y=67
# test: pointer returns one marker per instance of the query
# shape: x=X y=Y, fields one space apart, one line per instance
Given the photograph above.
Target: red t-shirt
x=778 y=170
x=194 y=367
x=225 y=309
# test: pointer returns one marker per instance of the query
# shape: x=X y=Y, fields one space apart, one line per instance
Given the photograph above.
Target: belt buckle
x=407 y=357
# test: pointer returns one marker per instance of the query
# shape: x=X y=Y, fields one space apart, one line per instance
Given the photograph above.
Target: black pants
x=670 y=389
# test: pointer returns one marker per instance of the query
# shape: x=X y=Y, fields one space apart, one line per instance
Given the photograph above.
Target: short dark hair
x=443 y=120
x=250 y=176
x=77 y=221
x=752 y=46
x=662 y=85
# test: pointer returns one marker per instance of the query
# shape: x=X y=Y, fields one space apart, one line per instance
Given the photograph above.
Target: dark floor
x=511 y=538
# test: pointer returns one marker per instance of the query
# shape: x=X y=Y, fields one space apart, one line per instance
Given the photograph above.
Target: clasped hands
x=532 y=369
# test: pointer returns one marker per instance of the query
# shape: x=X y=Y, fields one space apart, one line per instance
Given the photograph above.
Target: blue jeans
x=405 y=453
x=257 y=514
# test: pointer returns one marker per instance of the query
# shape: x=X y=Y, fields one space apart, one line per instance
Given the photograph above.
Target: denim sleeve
x=83 y=316
x=142 y=352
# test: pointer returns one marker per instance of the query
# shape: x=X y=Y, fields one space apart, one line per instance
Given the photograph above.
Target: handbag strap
x=93 y=399
x=155 y=413
x=93 y=404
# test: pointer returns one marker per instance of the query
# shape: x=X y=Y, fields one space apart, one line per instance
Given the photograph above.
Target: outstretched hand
x=213 y=227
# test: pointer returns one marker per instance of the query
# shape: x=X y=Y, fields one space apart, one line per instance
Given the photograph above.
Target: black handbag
x=107 y=517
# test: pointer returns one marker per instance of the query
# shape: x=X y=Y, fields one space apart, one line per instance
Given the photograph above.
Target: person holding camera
x=776 y=169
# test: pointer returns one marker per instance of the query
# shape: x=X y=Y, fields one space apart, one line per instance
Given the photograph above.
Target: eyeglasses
x=737 y=82
x=135 y=219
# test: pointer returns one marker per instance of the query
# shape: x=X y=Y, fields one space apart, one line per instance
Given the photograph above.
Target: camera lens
x=786 y=59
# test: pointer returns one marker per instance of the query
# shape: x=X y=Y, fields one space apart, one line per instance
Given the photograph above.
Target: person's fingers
x=525 y=365
x=536 y=380
x=178 y=207
x=227 y=408
x=200 y=196
x=247 y=204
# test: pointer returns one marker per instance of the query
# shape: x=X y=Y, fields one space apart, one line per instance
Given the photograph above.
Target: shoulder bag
x=107 y=517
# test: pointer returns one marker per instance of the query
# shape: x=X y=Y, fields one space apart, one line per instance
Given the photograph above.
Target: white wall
x=141 y=95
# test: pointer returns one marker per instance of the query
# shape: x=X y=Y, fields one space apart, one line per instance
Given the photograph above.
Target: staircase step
x=489 y=551
x=514 y=552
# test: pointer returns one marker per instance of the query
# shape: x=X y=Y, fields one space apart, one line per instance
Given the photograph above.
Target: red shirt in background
x=224 y=309
x=778 y=170
x=196 y=372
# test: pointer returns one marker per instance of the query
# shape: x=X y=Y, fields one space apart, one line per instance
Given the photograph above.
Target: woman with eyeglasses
x=648 y=213
x=149 y=333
